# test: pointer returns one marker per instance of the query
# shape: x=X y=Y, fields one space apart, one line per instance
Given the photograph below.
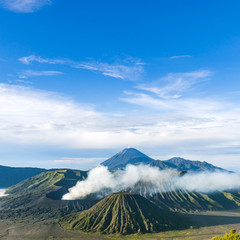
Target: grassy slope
x=47 y=180
x=184 y=201
x=39 y=197
x=124 y=213
x=41 y=182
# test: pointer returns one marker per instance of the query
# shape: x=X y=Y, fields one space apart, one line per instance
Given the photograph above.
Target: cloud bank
x=101 y=181
x=34 y=118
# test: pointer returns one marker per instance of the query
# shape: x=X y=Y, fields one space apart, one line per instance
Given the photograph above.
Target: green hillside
x=124 y=213
x=40 y=196
x=183 y=201
x=48 y=180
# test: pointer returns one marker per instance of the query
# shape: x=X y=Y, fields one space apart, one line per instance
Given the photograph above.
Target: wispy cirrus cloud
x=33 y=73
x=32 y=58
x=180 y=56
x=24 y=6
x=127 y=69
x=174 y=84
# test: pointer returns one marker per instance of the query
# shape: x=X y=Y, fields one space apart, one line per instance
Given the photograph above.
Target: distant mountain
x=12 y=175
x=161 y=164
x=135 y=157
x=126 y=156
x=124 y=213
x=188 y=165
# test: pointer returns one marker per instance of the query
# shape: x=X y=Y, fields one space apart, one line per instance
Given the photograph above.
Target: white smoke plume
x=2 y=193
x=101 y=181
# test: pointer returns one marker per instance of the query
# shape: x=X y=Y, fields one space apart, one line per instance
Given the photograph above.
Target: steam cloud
x=101 y=181
x=2 y=193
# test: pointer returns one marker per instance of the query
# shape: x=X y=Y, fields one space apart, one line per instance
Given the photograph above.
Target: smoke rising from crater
x=2 y=193
x=101 y=181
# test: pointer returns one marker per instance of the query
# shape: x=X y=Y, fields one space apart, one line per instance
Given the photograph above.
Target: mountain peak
x=126 y=156
x=131 y=151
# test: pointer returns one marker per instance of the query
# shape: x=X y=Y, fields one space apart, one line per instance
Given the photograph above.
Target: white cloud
x=170 y=98
x=102 y=182
x=192 y=126
x=34 y=118
x=177 y=83
x=33 y=73
x=24 y=6
x=180 y=56
x=129 y=69
x=32 y=58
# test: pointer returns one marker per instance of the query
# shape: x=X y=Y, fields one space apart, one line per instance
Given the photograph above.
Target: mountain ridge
x=185 y=164
x=135 y=157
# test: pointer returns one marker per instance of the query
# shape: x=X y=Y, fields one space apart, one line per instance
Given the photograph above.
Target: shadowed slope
x=123 y=213
x=13 y=175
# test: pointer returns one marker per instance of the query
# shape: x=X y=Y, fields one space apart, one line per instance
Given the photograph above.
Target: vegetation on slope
x=37 y=183
x=48 y=180
x=229 y=236
x=123 y=213
x=184 y=201
x=40 y=196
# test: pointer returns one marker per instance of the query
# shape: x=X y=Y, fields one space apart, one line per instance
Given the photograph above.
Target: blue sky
x=80 y=80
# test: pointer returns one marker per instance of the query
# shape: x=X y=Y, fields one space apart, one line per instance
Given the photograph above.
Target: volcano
x=124 y=213
x=126 y=156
